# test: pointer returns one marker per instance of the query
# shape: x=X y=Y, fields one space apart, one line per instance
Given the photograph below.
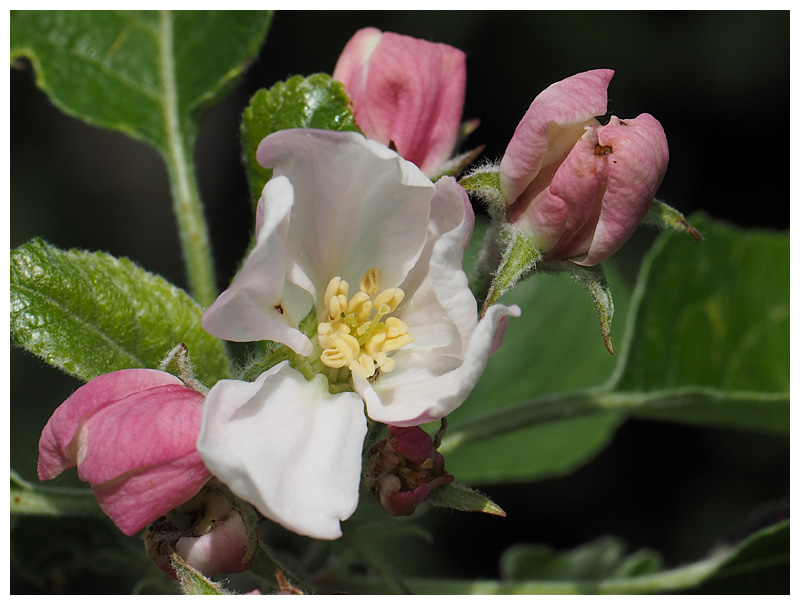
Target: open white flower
x=357 y=269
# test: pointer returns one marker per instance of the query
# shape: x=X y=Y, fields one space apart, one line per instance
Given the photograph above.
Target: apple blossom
x=407 y=91
x=581 y=188
x=341 y=209
x=132 y=434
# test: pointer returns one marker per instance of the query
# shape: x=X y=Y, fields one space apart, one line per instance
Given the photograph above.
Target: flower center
x=354 y=332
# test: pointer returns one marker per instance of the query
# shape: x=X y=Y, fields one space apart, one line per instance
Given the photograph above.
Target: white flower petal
x=256 y=305
x=429 y=376
x=437 y=288
x=432 y=388
x=287 y=446
x=359 y=205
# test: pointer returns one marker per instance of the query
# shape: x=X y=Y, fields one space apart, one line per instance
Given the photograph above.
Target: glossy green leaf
x=312 y=102
x=149 y=74
x=713 y=314
x=90 y=313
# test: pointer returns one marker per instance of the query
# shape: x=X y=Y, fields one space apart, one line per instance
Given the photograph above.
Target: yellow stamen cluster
x=353 y=332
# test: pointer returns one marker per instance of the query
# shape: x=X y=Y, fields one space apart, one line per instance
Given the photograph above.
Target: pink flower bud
x=407 y=91
x=132 y=434
x=209 y=533
x=578 y=187
x=222 y=550
x=406 y=469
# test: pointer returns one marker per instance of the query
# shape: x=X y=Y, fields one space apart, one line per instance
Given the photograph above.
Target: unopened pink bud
x=132 y=434
x=407 y=468
x=406 y=91
x=581 y=188
x=222 y=550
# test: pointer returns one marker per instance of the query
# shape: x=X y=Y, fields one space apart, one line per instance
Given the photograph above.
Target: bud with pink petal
x=132 y=434
x=213 y=532
x=578 y=187
x=406 y=91
x=407 y=468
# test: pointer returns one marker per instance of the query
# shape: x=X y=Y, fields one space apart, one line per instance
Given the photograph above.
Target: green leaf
x=598 y=560
x=714 y=314
x=30 y=499
x=758 y=565
x=312 y=102
x=90 y=313
x=151 y=75
x=458 y=496
x=553 y=347
x=764 y=411
x=707 y=343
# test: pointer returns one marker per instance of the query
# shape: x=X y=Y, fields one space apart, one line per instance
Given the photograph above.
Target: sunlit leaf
x=312 y=102
x=89 y=313
x=149 y=74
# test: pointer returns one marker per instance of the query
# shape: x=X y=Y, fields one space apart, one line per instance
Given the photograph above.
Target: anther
x=395 y=327
x=371 y=281
x=335 y=287
x=392 y=344
x=391 y=297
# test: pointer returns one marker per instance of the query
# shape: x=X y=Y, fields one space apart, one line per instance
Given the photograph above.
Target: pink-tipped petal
x=579 y=184
x=222 y=550
x=549 y=129
x=139 y=454
x=55 y=454
x=407 y=91
x=352 y=67
x=636 y=166
x=137 y=499
x=132 y=435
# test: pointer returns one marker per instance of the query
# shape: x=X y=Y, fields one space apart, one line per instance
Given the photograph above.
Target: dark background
x=717 y=81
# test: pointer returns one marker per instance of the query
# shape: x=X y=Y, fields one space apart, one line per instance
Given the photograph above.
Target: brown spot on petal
x=279 y=308
x=585 y=168
x=602 y=150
